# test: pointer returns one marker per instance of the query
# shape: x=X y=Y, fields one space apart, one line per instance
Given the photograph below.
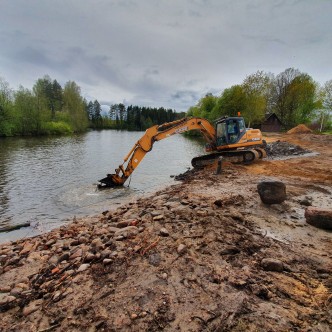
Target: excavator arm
x=145 y=144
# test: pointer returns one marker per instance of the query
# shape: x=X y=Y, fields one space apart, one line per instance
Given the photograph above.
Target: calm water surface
x=46 y=180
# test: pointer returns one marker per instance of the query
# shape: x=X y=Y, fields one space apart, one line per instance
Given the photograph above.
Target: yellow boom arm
x=154 y=134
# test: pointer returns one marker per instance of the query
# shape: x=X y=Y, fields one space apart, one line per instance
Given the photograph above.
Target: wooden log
x=14 y=227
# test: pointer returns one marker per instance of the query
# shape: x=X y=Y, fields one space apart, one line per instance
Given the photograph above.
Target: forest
x=50 y=109
x=292 y=95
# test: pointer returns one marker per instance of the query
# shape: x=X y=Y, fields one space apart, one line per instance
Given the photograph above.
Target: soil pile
x=300 y=129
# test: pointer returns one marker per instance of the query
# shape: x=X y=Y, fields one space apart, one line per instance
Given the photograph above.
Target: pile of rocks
x=282 y=149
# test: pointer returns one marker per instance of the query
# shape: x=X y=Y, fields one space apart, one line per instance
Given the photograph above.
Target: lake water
x=48 y=180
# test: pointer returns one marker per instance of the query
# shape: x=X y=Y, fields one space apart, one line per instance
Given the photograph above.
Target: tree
x=325 y=112
x=257 y=89
x=28 y=116
x=6 y=109
x=74 y=106
x=231 y=101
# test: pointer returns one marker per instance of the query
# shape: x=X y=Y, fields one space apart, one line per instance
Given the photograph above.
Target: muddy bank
x=202 y=255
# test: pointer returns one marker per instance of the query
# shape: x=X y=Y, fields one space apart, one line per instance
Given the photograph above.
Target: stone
x=159 y=217
x=83 y=267
x=97 y=243
x=5 y=298
x=89 y=257
x=107 y=261
x=163 y=232
x=272 y=264
x=32 y=307
x=181 y=249
x=122 y=224
x=64 y=257
x=272 y=192
x=126 y=232
x=320 y=218
x=164 y=276
x=76 y=253
x=16 y=291
x=5 y=289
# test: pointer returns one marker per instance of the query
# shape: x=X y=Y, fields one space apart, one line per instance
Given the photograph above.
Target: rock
x=159 y=217
x=164 y=276
x=112 y=229
x=34 y=256
x=5 y=298
x=16 y=291
x=272 y=192
x=89 y=257
x=97 y=243
x=107 y=261
x=128 y=231
x=28 y=246
x=64 y=257
x=83 y=267
x=76 y=253
x=32 y=307
x=5 y=289
x=320 y=218
x=306 y=202
x=163 y=232
x=122 y=224
x=106 y=253
x=22 y=285
x=271 y=264
x=230 y=250
x=181 y=249
x=133 y=316
x=154 y=259
x=50 y=243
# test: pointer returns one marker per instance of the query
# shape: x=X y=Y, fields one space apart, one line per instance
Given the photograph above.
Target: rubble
x=280 y=149
x=214 y=259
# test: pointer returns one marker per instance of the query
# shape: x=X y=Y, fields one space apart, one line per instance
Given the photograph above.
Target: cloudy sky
x=161 y=52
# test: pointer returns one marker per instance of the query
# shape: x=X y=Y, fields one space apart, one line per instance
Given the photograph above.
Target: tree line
x=294 y=96
x=129 y=118
x=50 y=109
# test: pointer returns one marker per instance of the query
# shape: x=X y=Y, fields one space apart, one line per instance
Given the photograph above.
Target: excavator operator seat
x=229 y=130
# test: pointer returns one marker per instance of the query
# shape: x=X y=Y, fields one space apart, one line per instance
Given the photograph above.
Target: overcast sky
x=161 y=53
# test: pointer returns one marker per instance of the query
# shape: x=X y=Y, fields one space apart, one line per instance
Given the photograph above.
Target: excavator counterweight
x=229 y=138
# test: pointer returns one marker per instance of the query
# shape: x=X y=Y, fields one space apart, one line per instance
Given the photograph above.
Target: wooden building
x=271 y=123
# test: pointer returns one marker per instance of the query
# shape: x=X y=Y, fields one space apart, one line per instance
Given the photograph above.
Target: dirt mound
x=300 y=129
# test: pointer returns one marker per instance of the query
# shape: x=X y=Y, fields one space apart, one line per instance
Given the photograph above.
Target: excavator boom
x=145 y=144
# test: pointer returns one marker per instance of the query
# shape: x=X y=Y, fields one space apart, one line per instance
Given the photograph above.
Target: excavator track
x=237 y=156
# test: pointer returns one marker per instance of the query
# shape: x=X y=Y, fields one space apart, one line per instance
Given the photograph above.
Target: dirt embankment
x=201 y=255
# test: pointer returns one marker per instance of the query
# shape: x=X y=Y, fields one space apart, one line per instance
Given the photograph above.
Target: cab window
x=221 y=134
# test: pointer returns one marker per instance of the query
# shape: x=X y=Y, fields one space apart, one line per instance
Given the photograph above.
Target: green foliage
x=56 y=128
x=73 y=105
x=292 y=95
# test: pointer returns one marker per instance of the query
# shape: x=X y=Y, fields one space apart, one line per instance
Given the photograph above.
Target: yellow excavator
x=229 y=138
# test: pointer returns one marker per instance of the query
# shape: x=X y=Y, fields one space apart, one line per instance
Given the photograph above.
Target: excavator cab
x=229 y=130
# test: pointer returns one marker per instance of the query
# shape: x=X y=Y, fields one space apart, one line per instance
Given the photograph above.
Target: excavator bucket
x=111 y=181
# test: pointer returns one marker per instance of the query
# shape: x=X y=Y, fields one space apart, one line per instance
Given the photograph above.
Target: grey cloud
x=161 y=53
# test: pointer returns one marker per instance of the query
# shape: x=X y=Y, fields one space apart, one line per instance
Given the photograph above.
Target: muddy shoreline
x=202 y=255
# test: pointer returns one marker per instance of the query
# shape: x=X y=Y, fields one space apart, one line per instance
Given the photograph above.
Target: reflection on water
x=45 y=180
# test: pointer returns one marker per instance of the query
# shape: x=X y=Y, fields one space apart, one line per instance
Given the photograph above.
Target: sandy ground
x=201 y=255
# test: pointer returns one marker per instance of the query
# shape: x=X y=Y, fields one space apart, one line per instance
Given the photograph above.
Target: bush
x=56 y=128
